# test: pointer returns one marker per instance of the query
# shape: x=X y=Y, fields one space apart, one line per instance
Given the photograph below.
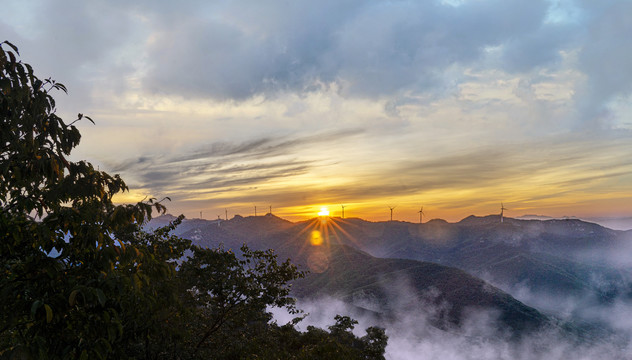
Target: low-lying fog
x=411 y=336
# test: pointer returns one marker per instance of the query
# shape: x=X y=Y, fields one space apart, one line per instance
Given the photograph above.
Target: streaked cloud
x=457 y=104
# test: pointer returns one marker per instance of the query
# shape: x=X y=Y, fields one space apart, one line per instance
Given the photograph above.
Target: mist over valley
x=474 y=289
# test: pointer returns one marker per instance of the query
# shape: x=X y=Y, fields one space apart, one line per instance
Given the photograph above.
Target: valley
x=524 y=277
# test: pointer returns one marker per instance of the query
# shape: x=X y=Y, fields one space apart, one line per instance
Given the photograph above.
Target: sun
x=323 y=211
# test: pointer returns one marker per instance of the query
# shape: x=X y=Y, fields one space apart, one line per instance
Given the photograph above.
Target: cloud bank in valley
x=411 y=333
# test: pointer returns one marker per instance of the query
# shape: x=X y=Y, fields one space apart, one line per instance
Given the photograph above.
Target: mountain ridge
x=469 y=245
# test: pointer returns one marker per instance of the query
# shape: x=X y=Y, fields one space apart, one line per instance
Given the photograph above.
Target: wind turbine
x=392 y=207
x=343 y=211
x=421 y=214
x=226 y=213
x=270 y=209
x=201 y=215
x=502 y=209
x=255 y=210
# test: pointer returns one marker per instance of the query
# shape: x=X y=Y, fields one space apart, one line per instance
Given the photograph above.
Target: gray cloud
x=78 y=44
x=538 y=48
x=265 y=147
x=178 y=181
x=370 y=48
x=250 y=176
x=238 y=50
x=604 y=56
x=223 y=165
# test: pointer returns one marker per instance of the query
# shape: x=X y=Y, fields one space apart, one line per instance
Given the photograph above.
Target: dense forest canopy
x=81 y=279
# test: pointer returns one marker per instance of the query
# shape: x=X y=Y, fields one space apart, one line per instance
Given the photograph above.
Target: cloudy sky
x=454 y=105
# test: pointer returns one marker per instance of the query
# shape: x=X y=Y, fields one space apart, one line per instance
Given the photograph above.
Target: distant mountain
x=556 y=257
x=395 y=286
x=232 y=234
x=563 y=267
x=566 y=258
x=534 y=217
x=614 y=223
x=365 y=263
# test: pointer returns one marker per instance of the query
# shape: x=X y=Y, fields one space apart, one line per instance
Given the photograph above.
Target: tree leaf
x=101 y=297
x=49 y=313
x=36 y=305
x=72 y=299
x=15 y=48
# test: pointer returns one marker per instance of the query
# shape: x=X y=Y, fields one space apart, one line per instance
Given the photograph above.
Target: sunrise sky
x=455 y=106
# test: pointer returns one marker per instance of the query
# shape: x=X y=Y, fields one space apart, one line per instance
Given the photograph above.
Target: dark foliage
x=81 y=280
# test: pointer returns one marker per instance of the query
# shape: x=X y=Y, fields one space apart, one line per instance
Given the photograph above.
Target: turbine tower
x=421 y=214
x=270 y=209
x=255 y=210
x=226 y=213
x=392 y=207
x=201 y=215
x=502 y=211
x=343 y=211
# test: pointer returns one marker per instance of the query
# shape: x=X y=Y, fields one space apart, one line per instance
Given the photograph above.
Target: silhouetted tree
x=67 y=275
x=80 y=279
